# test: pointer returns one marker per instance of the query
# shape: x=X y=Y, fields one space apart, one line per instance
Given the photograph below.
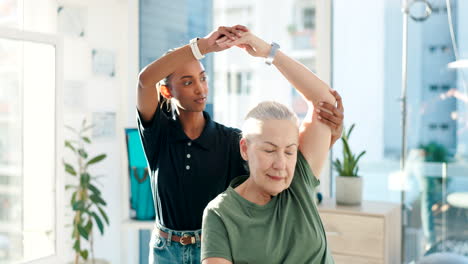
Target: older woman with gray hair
x=269 y=216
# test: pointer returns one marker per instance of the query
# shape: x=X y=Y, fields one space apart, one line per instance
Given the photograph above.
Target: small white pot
x=348 y=190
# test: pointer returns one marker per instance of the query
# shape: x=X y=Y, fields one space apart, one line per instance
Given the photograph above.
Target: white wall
x=107 y=28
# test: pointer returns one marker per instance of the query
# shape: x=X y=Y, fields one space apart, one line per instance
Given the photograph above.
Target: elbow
x=324 y=95
x=142 y=79
x=328 y=97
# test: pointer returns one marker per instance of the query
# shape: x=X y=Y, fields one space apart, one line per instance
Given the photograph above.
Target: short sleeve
x=215 y=241
x=304 y=171
x=151 y=133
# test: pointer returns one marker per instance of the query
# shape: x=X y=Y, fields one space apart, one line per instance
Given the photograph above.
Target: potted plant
x=86 y=199
x=348 y=181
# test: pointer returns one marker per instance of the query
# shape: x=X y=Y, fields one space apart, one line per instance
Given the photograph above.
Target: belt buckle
x=187 y=237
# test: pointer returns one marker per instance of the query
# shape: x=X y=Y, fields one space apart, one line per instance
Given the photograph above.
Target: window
x=242 y=82
x=436 y=136
x=29 y=142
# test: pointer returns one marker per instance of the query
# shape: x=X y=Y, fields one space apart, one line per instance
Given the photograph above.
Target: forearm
x=147 y=94
x=306 y=82
x=164 y=66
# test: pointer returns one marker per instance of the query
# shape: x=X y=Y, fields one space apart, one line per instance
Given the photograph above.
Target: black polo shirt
x=187 y=174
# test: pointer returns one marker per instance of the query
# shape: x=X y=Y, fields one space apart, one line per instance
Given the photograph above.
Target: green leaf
x=103 y=214
x=97 y=199
x=84 y=179
x=96 y=159
x=70 y=186
x=69 y=168
x=338 y=166
x=69 y=145
x=78 y=206
x=356 y=171
x=349 y=164
x=84 y=254
x=360 y=155
x=346 y=149
x=98 y=222
x=71 y=128
x=89 y=226
x=83 y=153
x=76 y=245
x=349 y=131
x=86 y=139
x=94 y=189
x=73 y=198
x=87 y=128
x=83 y=232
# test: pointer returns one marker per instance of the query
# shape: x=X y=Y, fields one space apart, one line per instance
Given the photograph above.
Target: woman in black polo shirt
x=192 y=159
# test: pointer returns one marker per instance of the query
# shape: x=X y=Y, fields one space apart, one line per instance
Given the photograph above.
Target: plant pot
x=89 y=261
x=348 y=190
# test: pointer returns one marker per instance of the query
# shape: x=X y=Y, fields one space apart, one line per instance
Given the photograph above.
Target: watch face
x=274 y=48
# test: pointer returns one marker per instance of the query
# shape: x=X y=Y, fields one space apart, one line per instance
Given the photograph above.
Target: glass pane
x=241 y=82
x=367 y=74
x=367 y=71
x=438 y=136
x=27 y=114
x=11 y=171
x=29 y=15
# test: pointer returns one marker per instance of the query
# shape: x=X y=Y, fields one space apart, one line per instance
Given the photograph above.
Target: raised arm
x=314 y=137
x=147 y=93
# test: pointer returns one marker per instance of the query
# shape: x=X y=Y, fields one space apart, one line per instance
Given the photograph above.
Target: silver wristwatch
x=273 y=50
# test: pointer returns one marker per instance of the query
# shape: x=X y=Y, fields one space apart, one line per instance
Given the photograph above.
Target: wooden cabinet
x=369 y=233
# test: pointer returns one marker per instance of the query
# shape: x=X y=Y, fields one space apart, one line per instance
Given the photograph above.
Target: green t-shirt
x=287 y=229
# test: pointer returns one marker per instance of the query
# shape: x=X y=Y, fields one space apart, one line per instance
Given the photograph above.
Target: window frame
x=57 y=43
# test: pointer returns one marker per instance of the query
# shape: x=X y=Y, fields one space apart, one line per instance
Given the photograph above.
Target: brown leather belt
x=184 y=240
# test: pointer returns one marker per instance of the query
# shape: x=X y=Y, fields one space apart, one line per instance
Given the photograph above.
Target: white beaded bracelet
x=195 y=50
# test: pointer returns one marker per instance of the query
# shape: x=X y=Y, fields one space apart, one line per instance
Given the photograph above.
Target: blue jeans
x=165 y=251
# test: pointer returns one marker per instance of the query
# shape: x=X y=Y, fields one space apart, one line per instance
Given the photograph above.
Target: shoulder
x=233 y=135
x=304 y=172
x=231 y=131
x=220 y=203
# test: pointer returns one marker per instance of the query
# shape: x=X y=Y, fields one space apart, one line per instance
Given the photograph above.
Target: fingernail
x=321 y=103
x=319 y=117
x=318 y=110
